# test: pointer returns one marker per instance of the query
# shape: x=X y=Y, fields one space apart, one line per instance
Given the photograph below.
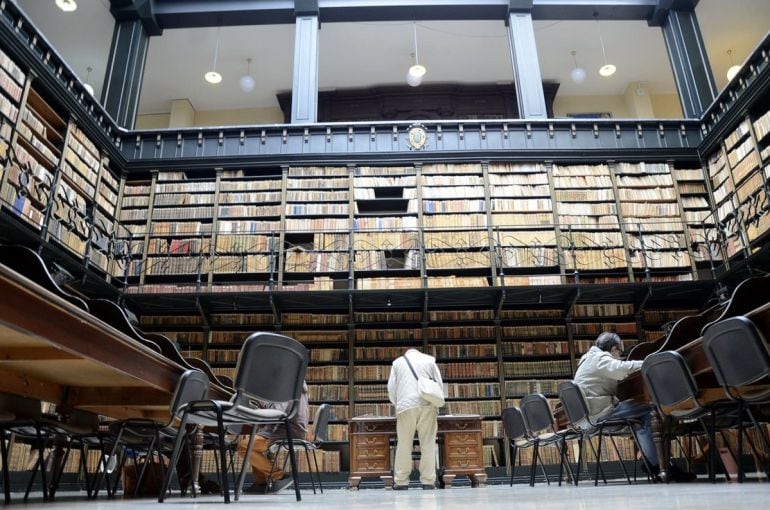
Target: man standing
x=266 y=435
x=413 y=414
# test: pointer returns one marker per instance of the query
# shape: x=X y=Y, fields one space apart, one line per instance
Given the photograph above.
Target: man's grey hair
x=607 y=340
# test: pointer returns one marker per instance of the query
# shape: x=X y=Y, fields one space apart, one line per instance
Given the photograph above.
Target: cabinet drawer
x=371 y=465
x=373 y=427
x=459 y=425
x=371 y=453
x=370 y=440
x=462 y=452
x=461 y=438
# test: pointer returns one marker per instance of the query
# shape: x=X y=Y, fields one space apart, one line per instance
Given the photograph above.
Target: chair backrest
x=27 y=262
x=271 y=368
x=513 y=423
x=738 y=352
x=671 y=384
x=538 y=416
x=192 y=385
x=574 y=403
x=321 y=424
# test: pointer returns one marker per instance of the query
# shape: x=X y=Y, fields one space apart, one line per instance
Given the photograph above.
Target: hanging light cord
x=574 y=58
x=216 y=49
x=601 y=40
x=416 y=55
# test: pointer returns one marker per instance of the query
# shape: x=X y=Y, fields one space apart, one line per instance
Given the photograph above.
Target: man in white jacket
x=413 y=414
x=598 y=373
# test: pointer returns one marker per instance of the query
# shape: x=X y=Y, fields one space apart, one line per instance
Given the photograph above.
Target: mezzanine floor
x=696 y=496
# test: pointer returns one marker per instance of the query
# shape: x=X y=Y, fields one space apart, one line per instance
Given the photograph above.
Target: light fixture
x=89 y=88
x=213 y=76
x=247 y=81
x=734 y=68
x=417 y=72
x=606 y=70
x=578 y=74
x=67 y=5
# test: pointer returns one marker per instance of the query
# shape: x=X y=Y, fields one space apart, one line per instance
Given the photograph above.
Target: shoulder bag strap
x=411 y=367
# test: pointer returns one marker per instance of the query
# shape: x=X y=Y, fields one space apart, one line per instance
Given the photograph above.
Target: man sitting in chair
x=261 y=463
x=597 y=375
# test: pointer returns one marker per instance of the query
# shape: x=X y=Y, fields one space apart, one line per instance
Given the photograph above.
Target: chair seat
x=205 y=413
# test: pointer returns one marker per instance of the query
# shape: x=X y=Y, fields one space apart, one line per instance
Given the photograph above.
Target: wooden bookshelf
x=652 y=221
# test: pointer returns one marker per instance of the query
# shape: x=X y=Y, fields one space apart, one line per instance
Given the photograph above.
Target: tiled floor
x=695 y=496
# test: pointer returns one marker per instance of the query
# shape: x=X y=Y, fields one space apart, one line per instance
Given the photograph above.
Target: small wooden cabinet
x=461 y=449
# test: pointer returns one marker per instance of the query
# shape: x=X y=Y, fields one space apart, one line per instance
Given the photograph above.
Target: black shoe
x=428 y=487
x=675 y=474
x=400 y=487
x=279 y=485
x=255 y=488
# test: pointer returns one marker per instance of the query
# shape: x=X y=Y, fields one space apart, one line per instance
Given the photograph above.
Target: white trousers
x=422 y=420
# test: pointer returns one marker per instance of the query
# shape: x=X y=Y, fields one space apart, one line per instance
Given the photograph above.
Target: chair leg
x=512 y=448
x=6 y=474
x=598 y=464
x=58 y=470
x=147 y=461
x=740 y=442
x=245 y=464
x=222 y=456
x=317 y=471
x=534 y=464
x=562 y=449
x=620 y=459
x=762 y=439
x=39 y=465
x=294 y=473
x=579 y=459
x=310 y=467
x=174 y=458
x=84 y=467
x=103 y=472
x=598 y=460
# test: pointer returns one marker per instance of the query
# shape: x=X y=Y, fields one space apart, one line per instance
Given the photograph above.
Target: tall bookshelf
x=522 y=224
x=247 y=231
x=387 y=242
x=698 y=217
x=454 y=220
x=12 y=91
x=652 y=220
x=317 y=225
x=591 y=239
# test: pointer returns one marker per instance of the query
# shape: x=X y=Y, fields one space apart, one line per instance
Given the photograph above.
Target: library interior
x=221 y=217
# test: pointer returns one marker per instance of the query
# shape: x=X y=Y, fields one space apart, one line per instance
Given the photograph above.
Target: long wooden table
x=53 y=351
x=461 y=450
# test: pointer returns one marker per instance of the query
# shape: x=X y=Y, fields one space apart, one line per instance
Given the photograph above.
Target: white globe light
x=578 y=75
x=213 y=77
x=415 y=75
x=732 y=72
x=247 y=83
x=607 y=70
x=88 y=88
x=67 y=5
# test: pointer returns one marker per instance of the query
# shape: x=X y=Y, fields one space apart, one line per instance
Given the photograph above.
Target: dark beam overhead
x=203 y=13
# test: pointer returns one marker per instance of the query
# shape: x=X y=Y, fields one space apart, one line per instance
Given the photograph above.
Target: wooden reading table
x=461 y=452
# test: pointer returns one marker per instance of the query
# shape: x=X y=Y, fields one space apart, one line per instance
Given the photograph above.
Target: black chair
x=541 y=427
x=270 y=368
x=320 y=436
x=518 y=438
x=674 y=391
x=575 y=406
x=145 y=436
x=738 y=353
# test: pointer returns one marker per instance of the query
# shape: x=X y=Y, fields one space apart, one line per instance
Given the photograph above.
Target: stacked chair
x=518 y=437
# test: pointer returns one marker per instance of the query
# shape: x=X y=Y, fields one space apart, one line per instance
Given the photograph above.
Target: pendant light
x=578 y=74
x=247 y=81
x=606 y=70
x=89 y=88
x=734 y=68
x=417 y=72
x=213 y=76
x=67 y=5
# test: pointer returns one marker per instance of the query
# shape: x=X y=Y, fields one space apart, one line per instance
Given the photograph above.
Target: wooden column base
x=353 y=482
x=479 y=480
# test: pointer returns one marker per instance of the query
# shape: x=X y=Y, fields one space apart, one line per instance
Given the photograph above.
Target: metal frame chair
x=542 y=430
x=738 y=353
x=270 y=368
x=575 y=406
x=518 y=437
x=320 y=436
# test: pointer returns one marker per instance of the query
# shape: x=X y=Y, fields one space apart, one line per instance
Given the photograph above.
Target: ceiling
x=367 y=54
